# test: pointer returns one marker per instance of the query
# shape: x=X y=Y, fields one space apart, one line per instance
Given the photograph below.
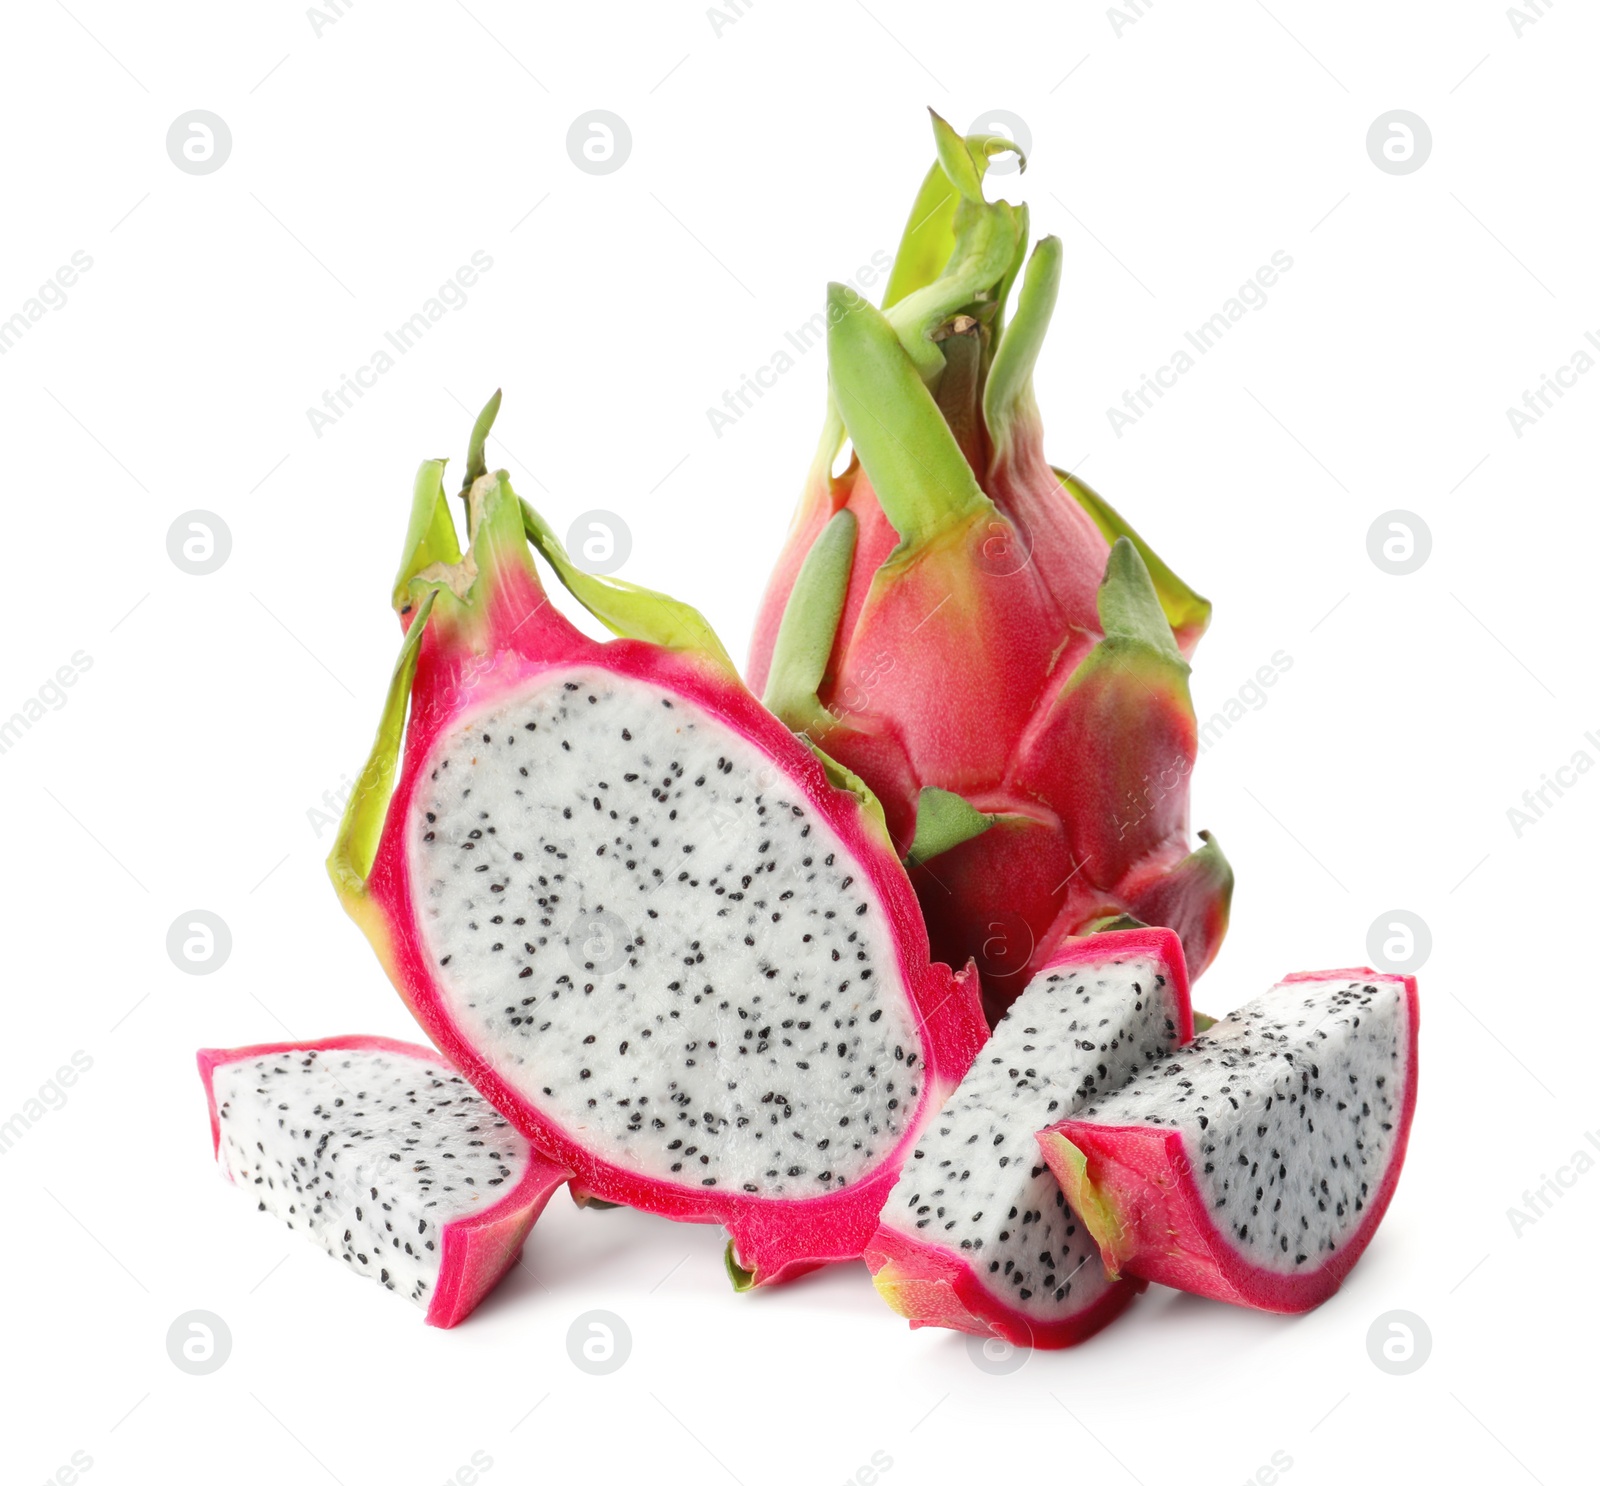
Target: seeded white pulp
x=640 y=923
x=1289 y=1108
x=976 y=1182
x=368 y=1153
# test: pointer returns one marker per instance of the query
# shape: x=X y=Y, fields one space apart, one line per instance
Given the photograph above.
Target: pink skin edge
x=940 y=1287
x=530 y=639
x=475 y=1251
x=1146 y=1175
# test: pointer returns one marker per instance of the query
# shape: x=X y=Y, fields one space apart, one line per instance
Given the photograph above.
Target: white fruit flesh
x=637 y=920
x=1290 y=1109
x=368 y=1153
x=976 y=1183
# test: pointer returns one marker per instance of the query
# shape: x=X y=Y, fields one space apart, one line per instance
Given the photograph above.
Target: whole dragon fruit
x=670 y=942
x=977 y=635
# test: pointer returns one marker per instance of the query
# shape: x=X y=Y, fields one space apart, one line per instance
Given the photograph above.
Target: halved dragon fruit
x=976 y=1235
x=668 y=940
x=385 y=1157
x=1255 y=1164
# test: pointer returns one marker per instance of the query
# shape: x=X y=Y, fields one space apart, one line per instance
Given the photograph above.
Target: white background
x=368 y=163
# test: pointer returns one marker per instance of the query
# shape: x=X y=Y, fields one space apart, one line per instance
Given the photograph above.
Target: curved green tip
x=852 y=784
x=1212 y=862
x=1187 y=612
x=956 y=159
x=355 y=847
x=1208 y=864
x=743 y=1279
x=958 y=251
x=431 y=536
x=1008 y=392
x=928 y=239
x=964 y=159
x=476 y=466
x=1098 y=1211
x=918 y=472
x=626 y=609
x=1114 y=923
x=944 y=820
x=810 y=623
x=1129 y=608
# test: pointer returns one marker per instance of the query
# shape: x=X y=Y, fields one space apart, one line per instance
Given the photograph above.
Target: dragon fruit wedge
x=385 y=1157
x=1255 y=1164
x=670 y=942
x=977 y=635
x=976 y=1234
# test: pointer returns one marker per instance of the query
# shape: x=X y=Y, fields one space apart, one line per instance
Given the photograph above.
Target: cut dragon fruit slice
x=383 y=1155
x=1255 y=1164
x=976 y=1234
x=669 y=941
